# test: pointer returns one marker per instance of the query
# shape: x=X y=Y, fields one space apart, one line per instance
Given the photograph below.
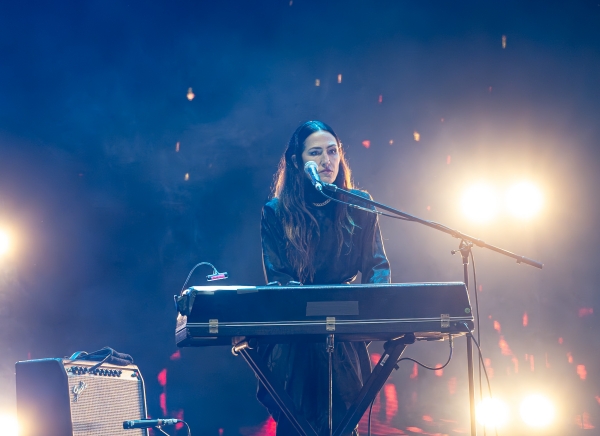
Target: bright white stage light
x=537 y=411
x=492 y=412
x=9 y=425
x=4 y=242
x=524 y=200
x=480 y=203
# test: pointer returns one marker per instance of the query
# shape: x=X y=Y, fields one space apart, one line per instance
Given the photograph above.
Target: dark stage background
x=113 y=183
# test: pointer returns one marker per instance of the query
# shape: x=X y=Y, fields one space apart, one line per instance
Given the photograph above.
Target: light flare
x=524 y=200
x=537 y=411
x=480 y=203
x=5 y=242
x=492 y=412
x=9 y=426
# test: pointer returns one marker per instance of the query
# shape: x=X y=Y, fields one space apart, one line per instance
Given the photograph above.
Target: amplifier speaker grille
x=59 y=397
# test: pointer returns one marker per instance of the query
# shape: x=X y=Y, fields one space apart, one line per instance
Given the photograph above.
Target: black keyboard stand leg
x=301 y=425
x=385 y=366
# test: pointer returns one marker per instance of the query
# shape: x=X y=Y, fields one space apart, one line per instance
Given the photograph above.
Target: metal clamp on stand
x=242 y=345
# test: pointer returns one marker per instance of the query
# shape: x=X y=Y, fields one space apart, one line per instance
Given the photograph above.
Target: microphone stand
x=466 y=243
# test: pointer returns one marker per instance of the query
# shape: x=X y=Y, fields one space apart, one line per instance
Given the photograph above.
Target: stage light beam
x=480 y=203
x=492 y=412
x=524 y=200
x=9 y=426
x=537 y=411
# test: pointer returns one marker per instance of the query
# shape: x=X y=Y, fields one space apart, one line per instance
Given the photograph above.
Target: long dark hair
x=300 y=226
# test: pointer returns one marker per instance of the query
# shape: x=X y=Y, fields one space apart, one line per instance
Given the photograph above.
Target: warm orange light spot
x=427 y=418
x=176 y=355
x=162 y=377
x=560 y=341
x=179 y=415
x=503 y=41
x=570 y=357
x=531 y=364
x=414 y=429
x=439 y=372
x=586 y=311
x=391 y=401
x=525 y=319
x=380 y=98
x=448 y=160
x=366 y=143
x=317 y=82
x=428 y=207
x=391 y=141
x=581 y=372
x=187 y=177
x=497 y=326
x=177 y=147
x=415 y=371
x=583 y=421
x=162 y=399
x=375 y=358
x=504 y=347
x=339 y=78
x=417 y=136
x=190 y=94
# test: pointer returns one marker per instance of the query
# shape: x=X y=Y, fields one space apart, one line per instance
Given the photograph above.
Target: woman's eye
x=314 y=153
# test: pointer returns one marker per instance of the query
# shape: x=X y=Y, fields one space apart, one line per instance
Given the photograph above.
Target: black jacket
x=302 y=369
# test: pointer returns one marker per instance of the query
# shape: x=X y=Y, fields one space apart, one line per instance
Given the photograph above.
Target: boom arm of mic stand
x=434 y=225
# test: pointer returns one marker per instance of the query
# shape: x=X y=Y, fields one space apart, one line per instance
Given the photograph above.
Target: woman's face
x=322 y=148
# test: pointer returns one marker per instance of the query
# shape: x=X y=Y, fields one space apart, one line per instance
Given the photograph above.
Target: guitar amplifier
x=61 y=397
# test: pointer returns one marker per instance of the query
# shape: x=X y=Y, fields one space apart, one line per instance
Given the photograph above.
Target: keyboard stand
x=393 y=349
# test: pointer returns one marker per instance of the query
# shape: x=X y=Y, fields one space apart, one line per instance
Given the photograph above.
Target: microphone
x=149 y=423
x=310 y=168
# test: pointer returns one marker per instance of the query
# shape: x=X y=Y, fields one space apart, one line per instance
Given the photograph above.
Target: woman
x=309 y=239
